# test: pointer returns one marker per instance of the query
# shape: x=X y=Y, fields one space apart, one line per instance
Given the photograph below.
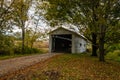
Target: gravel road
x=11 y=65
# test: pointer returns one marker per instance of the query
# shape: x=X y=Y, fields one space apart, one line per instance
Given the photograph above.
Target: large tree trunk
x=23 y=39
x=101 y=50
x=101 y=44
x=94 y=44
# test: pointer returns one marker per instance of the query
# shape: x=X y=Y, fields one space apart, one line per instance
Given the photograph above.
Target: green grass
x=3 y=57
x=41 y=51
x=77 y=67
x=8 y=57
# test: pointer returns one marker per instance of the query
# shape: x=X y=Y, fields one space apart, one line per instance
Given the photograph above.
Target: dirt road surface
x=11 y=65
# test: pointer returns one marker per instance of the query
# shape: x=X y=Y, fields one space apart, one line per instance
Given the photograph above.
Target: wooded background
x=97 y=20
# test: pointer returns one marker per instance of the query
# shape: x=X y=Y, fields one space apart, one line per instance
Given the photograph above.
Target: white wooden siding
x=80 y=45
x=76 y=41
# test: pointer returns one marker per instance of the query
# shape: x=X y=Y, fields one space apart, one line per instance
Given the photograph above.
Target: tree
x=107 y=19
x=94 y=16
x=104 y=18
x=21 y=8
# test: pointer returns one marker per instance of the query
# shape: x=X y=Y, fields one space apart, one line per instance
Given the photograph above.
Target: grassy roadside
x=42 y=51
x=78 y=67
x=15 y=56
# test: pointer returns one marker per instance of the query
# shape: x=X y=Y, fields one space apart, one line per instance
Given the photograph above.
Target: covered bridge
x=66 y=40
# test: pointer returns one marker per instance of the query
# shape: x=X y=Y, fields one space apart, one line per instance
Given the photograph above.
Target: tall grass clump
x=115 y=55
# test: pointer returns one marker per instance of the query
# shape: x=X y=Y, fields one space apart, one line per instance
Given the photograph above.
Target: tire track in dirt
x=11 y=65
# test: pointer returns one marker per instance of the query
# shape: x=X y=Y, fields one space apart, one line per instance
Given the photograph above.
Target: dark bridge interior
x=62 y=43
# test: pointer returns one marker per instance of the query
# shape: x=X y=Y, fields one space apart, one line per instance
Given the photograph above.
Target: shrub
x=6 y=45
x=114 y=47
x=115 y=55
x=27 y=50
x=17 y=49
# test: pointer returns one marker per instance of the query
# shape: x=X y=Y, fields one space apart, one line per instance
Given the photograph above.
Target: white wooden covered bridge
x=66 y=40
